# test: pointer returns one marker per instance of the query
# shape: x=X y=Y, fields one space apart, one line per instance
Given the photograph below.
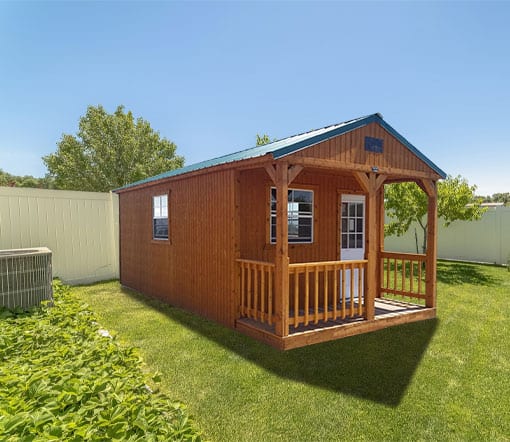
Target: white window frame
x=160 y=211
x=272 y=215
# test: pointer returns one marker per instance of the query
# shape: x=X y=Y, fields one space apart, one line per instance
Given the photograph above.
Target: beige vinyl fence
x=80 y=228
x=486 y=240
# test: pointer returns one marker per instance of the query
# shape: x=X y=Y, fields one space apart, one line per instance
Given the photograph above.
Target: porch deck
x=387 y=313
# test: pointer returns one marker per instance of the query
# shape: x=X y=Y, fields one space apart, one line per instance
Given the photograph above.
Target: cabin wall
x=349 y=149
x=194 y=268
x=255 y=215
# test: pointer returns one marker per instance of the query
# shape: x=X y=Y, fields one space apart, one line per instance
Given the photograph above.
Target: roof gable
x=293 y=144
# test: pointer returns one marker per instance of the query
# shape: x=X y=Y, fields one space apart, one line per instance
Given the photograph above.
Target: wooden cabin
x=285 y=242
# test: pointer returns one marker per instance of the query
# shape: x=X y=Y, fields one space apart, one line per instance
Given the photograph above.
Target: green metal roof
x=292 y=144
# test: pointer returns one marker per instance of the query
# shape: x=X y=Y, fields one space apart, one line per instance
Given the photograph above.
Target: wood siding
x=221 y=214
x=194 y=268
x=255 y=213
x=349 y=150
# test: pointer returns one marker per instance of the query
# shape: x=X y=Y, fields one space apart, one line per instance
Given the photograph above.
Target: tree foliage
x=109 y=151
x=263 y=139
x=406 y=203
x=9 y=180
x=497 y=198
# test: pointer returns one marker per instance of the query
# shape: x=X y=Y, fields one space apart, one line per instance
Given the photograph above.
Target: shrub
x=63 y=378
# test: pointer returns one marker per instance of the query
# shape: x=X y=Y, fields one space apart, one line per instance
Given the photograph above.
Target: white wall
x=80 y=228
x=486 y=240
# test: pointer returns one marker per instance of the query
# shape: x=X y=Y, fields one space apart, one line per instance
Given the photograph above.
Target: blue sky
x=210 y=76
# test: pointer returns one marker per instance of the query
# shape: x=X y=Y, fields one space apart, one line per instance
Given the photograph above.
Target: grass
x=443 y=379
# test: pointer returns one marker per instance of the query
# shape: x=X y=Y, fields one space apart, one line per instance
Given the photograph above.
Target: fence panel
x=80 y=228
x=486 y=240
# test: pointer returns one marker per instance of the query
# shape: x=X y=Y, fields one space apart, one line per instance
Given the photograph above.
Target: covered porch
x=315 y=309
x=292 y=304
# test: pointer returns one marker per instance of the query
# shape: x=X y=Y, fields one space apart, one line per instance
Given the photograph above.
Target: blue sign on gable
x=374 y=145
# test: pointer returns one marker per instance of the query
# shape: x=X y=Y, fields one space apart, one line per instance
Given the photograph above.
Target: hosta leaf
x=156 y=377
x=140 y=423
x=39 y=419
x=117 y=431
x=15 y=422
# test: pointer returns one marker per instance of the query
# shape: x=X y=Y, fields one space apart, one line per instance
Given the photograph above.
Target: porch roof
x=292 y=144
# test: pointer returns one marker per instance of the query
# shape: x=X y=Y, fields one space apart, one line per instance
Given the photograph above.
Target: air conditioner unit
x=25 y=277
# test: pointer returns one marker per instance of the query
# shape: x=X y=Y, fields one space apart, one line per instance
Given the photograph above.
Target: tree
x=497 y=198
x=406 y=203
x=264 y=139
x=9 y=180
x=501 y=198
x=109 y=151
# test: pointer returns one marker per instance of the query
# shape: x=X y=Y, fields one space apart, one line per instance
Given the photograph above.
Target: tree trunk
x=424 y=244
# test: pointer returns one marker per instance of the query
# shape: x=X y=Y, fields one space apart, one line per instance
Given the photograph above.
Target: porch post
x=431 y=270
x=381 y=218
x=371 y=183
x=371 y=289
x=282 y=251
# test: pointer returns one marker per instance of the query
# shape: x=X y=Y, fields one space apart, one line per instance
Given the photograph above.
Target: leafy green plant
x=64 y=378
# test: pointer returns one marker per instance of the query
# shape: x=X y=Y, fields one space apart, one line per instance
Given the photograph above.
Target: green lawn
x=444 y=379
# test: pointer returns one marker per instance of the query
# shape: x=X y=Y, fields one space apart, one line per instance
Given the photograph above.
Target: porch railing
x=318 y=291
x=257 y=288
x=322 y=291
x=403 y=274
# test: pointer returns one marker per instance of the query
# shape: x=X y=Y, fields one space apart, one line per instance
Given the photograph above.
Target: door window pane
x=359 y=225
x=352 y=224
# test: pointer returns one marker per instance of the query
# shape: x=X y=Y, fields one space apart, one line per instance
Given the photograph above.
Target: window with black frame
x=160 y=217
x=300 y=215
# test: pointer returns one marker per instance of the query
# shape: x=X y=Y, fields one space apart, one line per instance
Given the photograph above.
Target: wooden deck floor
x=387 y=314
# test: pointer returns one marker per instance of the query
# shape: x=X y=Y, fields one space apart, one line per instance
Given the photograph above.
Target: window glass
x=300 y=215
x=352 y=241
x=160 y=217
x=359 y=241
x=359 y=225
x=352 y=225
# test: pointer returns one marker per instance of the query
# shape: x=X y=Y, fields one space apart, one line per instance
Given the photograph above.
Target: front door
x=352 y=239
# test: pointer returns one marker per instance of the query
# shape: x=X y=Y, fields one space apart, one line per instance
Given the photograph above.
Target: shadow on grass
x=376 y=366
x=455 y=273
